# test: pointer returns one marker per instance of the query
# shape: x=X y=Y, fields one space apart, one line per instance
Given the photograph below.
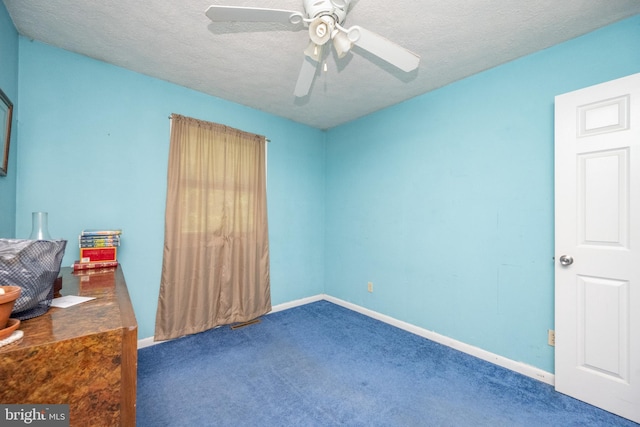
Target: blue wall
x=93 y=150
x=445 y=202
x=9 y=85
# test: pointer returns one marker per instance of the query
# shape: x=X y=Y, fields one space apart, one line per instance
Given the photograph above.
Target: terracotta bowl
x=7 y=300
x=12 y=325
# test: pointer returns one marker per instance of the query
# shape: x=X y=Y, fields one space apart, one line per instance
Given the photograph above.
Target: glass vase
x=39 y=226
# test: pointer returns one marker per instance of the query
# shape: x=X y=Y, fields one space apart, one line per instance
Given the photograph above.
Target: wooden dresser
x=84 y=355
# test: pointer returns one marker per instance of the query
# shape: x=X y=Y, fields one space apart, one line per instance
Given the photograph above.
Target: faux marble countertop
x=102 y=314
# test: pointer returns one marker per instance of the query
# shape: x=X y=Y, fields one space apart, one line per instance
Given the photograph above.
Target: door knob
x=566 y=260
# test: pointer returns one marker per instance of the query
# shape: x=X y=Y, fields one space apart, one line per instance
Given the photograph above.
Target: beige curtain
x=215 y=269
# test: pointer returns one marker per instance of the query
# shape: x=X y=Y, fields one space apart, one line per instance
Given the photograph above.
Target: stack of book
x=98 y=249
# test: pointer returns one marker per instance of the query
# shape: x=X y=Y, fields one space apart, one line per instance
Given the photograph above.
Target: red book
x=98 y=254
x=92 y=265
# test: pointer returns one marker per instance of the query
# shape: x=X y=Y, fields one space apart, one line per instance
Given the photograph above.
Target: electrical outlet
x=370 y=286
x=551 y=336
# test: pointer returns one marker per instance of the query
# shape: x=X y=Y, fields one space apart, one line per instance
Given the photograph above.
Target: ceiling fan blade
x=385 y=49
x=252 y=14
x=306 y=76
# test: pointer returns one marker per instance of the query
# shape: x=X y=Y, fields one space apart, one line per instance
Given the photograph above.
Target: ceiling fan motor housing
x=336 y=8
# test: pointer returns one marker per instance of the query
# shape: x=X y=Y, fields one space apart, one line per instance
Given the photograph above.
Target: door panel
x=603 y=194
x=597 y=287
x=603 y=335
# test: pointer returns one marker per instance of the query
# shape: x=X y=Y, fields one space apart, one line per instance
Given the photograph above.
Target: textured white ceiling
x=257 y=64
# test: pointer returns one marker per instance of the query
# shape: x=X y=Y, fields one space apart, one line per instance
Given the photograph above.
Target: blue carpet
x=323 y=365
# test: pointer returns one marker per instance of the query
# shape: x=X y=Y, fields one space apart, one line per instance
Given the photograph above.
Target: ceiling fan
x=324 y=19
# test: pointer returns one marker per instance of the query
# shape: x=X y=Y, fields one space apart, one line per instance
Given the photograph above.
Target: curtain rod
x=266 y=139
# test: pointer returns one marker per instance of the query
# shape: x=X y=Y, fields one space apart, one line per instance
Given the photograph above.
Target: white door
x=597 y=245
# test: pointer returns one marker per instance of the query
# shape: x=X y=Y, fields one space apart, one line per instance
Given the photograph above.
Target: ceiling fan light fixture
x=341 y=43
x=320 y=29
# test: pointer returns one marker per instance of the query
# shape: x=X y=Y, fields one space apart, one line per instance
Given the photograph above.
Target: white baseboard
x=296 y=303
x=521 y=368
x=147 y=342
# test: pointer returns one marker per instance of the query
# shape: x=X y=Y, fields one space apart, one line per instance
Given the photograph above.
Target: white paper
x=69 y=300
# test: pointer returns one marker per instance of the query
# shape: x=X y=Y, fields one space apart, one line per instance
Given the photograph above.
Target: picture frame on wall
x=6 y=112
